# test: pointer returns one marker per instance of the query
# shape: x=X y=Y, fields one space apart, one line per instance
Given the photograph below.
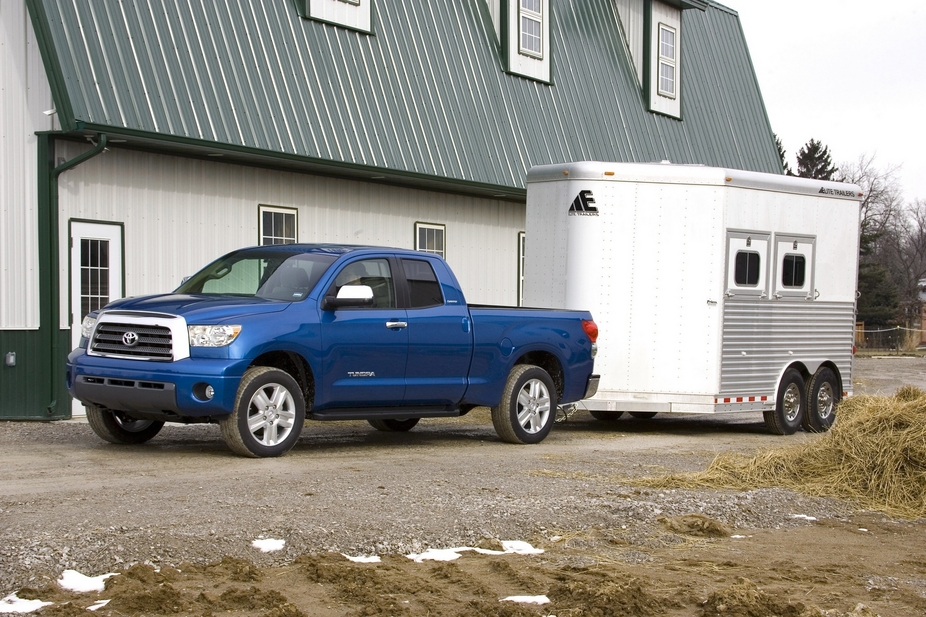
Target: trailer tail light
x=591 y=331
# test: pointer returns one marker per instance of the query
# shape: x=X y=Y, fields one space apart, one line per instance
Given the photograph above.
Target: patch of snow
x=13 y=604
x=520 y=548
x=449 y=554
x=98 y=605
x=72 y=580
x=268 y=545
x=437 y=554
x=804 y=516
x=363 y=558
x=527 y=599
x=738 y=537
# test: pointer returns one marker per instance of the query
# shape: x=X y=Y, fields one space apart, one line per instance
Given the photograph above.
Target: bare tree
x=905 y=252
x=883 y=199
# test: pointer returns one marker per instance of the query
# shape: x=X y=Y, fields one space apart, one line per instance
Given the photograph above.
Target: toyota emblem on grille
x=130 y=339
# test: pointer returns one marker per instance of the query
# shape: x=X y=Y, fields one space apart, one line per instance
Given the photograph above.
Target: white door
x=96 y=274
x=794 y=267
x=747 y=263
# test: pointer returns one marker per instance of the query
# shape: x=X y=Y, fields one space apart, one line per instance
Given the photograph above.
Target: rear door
x=440 y=339
x=364 y=348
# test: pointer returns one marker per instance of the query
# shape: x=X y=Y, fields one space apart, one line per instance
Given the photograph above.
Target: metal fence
x=895 y=338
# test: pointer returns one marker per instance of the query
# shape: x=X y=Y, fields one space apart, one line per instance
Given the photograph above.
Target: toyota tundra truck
x=265 y=337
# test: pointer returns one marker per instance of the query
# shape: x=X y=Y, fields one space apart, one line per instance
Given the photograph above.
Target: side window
x=374 y=273
x=531 y=28
x=746 y=273
x=277 y=225
x=429 y=238
x=793 y=269
x=667 y=56
x=423 y=285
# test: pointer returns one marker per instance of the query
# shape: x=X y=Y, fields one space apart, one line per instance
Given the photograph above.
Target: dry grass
x=875 y=455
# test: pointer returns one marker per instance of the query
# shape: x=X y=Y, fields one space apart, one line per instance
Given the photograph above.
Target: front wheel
x=117 y=427
x=606 y=416
x=527 y=410
x=822 y=397
x=788 y=413
x=268 y=415
x=394 y=426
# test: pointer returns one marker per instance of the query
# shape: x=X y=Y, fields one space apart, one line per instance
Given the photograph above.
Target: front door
x=96 y=274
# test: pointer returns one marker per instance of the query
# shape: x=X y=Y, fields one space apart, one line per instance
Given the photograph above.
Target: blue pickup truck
x=265 y=337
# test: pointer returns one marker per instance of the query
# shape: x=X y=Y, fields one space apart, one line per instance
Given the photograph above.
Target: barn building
x=140 y=140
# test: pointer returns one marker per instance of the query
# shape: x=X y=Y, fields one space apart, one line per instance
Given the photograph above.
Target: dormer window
x=531 y=28
x=667 y=61
x=353 y=14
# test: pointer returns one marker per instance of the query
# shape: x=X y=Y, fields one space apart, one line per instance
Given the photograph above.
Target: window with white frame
x=667 y=60
x=429 y=238
x=278 y=225
x=531 y=29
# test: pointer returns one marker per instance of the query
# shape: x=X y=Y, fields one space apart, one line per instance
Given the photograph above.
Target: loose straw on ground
x=875 y=455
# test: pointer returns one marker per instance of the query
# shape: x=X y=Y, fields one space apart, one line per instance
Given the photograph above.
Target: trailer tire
x=116 y=427
x=268 y=415
x=822 y=397
x=643 y=415
x=390 y=425
x=606 y=416
x=527 y=411
x=788 y=413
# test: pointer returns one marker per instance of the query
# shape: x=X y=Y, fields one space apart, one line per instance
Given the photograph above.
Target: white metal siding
x=24 y=95
x=181 y=213
x=631 y=15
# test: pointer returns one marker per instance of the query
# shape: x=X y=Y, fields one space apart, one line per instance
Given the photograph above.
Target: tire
x=117 y=427
x=268 y=415
x=394 y=426
x=788 y=413
x=606 y=416
x=823 y=394
x=643 y=415
x=527 y=410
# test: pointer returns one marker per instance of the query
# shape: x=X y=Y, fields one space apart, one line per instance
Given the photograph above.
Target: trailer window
x=746 y=273
x=792 y=271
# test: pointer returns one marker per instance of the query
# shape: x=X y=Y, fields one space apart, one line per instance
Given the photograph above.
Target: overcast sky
x=849 y=73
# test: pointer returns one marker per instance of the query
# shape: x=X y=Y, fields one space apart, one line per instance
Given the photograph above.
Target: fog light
x=210 y=392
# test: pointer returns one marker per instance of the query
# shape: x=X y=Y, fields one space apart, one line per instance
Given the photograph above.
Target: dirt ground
x=177 y=518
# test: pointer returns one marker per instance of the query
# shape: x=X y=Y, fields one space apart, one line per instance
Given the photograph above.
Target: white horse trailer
x=714 y=290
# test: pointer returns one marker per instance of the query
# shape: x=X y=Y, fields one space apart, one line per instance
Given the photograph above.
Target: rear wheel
x=394 y=426
x=527 y=410
x=822 y=397
x=606 y=416
x=117 y=427
x=788 y=413
x=268 y=415
x=643 y=415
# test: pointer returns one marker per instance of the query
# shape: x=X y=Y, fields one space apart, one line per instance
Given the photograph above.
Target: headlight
x=86 y=326
x=213 y=336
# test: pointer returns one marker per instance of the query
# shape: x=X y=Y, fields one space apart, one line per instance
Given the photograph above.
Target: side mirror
x=349 y=295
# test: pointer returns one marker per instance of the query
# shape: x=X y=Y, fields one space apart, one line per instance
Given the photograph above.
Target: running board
x=383 y=413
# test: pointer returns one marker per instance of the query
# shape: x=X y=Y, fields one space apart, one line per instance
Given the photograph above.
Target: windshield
x=271 y=274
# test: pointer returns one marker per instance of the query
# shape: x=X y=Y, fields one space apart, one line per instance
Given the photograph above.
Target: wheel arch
x=295 y=366
x=548 y=362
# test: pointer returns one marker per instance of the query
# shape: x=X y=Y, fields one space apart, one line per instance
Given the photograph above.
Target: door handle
x=396 y=324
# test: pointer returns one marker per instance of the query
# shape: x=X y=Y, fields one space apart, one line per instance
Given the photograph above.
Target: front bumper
x=165 y=388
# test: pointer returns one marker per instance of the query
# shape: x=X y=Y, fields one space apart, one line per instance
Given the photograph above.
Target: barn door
x=96 y=274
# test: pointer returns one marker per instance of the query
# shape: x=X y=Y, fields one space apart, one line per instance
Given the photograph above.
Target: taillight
x=591 y=329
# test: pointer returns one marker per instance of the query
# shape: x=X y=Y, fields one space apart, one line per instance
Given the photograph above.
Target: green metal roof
x=423 y=98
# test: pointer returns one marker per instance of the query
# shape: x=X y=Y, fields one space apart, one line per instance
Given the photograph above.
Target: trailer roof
x=668 y=173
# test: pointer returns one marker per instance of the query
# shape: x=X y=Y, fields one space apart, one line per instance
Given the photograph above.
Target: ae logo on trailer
x=582 y=205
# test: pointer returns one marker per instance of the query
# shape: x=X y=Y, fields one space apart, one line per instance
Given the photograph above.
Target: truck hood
x=200 y=308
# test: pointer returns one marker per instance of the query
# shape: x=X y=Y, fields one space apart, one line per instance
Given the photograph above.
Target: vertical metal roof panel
x=425 y=93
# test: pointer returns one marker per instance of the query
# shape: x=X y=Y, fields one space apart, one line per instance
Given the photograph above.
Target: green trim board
x=25 y=387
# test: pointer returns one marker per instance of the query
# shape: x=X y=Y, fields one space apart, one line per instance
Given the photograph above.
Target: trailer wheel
x=822 y=397
x=788 y=413
x=394 y=426
x=117 y=427
x=643 y=415
x=527 y=410
x=268 y=415
x=606 y=416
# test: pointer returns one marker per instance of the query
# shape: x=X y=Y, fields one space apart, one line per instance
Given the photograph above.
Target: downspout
x=54 y=283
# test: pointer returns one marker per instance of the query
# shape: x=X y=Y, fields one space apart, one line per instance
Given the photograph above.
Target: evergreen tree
x=814 y=161
x=785 y=166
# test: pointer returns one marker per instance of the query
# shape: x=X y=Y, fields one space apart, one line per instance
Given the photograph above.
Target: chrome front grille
x=129 y=340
